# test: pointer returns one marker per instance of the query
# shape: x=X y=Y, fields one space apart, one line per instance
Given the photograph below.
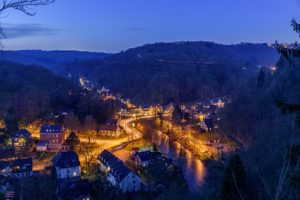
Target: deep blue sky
x=115 y=25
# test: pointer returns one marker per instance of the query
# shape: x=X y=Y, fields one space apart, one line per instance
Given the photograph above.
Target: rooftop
x=66 y=159
x=51 y=129
x=22 y=165
x=22 y=132
x=117 y=167
x=147 y=155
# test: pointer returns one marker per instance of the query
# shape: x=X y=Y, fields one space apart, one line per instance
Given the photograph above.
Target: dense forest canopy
x=265 y=116
x=182 y=71
x=36 y=93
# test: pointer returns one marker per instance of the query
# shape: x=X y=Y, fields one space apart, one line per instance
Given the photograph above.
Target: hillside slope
x=185 y=71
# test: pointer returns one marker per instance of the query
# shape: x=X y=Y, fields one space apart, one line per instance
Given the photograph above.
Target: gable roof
x=22 y=132
x=147 y=155
x=46 y=129
x=66 y=159
x=117 y=167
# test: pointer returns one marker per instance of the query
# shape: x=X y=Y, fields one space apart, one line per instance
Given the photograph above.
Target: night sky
x=115 y=25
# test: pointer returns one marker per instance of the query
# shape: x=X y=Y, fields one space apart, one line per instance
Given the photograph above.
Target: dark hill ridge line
x=185 y=71
x=48 y=59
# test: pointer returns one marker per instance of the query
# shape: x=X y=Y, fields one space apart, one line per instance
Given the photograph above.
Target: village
x=75 y=159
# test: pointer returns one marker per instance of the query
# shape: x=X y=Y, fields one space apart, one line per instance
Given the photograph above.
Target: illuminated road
x=102 y=142
x=110 y=143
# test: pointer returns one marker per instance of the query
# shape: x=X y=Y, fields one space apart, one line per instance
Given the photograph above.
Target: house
x=143 y=158
x=21 y=138
x=117 y=173
x=65 y=146
x=9 y=195
x=54 y=135
x=21 y=167
x=5 y=168
x=67 y=165
x=75 y=190
x=4 y=184
x=166 y=163
x=42 y=146
x=109 y=130
x=18 y=168
x=207 y=125
x=217 y=102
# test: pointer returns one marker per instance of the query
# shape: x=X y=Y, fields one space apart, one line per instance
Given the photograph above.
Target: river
x=193 y=169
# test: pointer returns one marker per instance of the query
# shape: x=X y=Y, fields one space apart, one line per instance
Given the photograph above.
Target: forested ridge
x=176 y=72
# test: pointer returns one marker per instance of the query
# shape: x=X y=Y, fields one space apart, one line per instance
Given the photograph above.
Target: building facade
x=67 y=165
x=18 y=168
x=108 y=130
x=54 y=136
x=118 y=174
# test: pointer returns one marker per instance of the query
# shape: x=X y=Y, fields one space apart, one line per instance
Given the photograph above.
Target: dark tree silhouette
x=11 y=121
x=26 y=6
x=177 y=115
x=261 y=79
x=234 y=184
x=73 y=140
x=72 y=122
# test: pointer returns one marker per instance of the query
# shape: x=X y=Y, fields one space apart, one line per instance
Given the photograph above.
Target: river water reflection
x=193 y=169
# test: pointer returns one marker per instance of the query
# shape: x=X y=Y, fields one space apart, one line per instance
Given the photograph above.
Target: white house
x=67 y=165
x=118 y=174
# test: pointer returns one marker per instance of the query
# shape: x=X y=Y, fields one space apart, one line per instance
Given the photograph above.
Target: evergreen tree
x=73 y=140
x=72 y=122
x=11 y=121
x=292 y=55
x=234 y=183
x=177 y=115
x=261 y=79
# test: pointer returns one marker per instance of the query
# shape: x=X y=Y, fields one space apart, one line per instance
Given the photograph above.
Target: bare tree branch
x=26 y=6
x=286 y=165
x=236 y=186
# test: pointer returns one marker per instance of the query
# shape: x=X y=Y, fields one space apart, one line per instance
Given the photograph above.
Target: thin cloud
x=12 y=31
